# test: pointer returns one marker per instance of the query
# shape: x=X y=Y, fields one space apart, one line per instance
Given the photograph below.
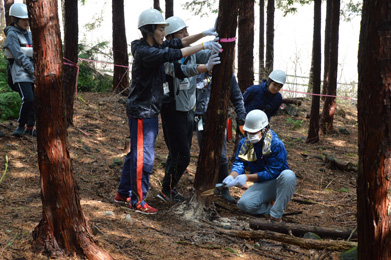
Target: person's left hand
x=240 y=180
x=210 y=32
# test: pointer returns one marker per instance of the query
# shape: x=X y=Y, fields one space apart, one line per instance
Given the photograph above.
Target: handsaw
x=211 y=191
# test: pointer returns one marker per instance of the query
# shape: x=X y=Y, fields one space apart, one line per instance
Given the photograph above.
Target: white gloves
x=210 y=32
x=212 y=45
x=213 y=60
x=229 y=181
x=240 y=180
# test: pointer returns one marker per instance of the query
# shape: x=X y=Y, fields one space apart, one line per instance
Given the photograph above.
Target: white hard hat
x=19 y=10
x=278 y=76
x=151 y=16
x=175 y=24
x=256 y=120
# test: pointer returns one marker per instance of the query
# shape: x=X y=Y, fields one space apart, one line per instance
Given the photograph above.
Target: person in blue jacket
x=264 y=154
x=144 y=104
x=18 y=48
x=203 y=96
x=266 y=96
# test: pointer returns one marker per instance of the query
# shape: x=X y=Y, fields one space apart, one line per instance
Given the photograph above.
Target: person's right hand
x=212 y=45
x=229 y=181
x=213 y=60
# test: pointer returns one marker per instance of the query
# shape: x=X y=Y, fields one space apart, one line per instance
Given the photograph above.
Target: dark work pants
x=178 y=133
x=26 y=113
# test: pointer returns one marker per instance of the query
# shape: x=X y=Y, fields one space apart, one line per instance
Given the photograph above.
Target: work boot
x=224 y=192
x=18 y=131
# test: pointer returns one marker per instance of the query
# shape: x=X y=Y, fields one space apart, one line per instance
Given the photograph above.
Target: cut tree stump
x=330 y=245
x=300 y=230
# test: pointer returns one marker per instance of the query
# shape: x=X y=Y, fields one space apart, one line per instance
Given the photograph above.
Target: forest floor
x=97 y=144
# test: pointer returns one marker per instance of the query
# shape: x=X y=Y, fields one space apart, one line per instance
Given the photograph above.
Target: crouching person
x=266 y=158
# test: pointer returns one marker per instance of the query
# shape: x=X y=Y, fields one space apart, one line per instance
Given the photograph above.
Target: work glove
x=229 y=181
x=212 y=45
x=240 y=180
x=210 y=32
x=213 y=60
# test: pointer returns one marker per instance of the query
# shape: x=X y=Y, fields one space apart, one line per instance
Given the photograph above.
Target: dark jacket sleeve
x=237 y=100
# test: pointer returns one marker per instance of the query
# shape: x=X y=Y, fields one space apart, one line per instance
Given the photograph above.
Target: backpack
x=9 y=75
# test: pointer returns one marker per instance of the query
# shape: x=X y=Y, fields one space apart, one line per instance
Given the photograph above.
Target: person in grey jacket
x=178 y=106
x=203 y=95
x=18 y=48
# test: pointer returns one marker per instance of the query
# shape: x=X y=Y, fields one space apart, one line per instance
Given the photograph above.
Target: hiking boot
x=120 y=200
x=146 y=209
x=224 y=192
x=173 y=198
x=30 y=132
x=18 y=131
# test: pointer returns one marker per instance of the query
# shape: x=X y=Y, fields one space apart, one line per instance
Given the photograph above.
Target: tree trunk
x=62 y=230
x=313 y=131
x=327 y=118
x=216 y=114
x=71 y=39
x=2 y=16
x=120 y=49
x=327 y=35
x=169 y=8
x=270 y=37
x=246 y=45
x=7 y=5
x=156 y=5
x=374 y=132
x=262 y=73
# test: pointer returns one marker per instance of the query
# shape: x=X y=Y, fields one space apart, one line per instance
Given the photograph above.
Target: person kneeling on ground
x=266 y=157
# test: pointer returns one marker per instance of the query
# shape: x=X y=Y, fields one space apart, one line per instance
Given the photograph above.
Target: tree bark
x=62 y=230
x=246 y=45
x=120 y=49
x=326 y=124
x=216 y=114
x=270 y=37
x=302 y=242
x=7 y=5
x=327 y=35
x=71 y=40
x=313 y=131
x=374 y=132
x=169 y=8
x=156 y=5
x=262 y=73
x=300 y=230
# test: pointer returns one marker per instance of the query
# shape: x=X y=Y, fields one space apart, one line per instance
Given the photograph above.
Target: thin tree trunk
x=120 y=49
x=374 y=132
x=7 y=5
x=216 y=114
x=262 y=73
x=71 y=39
x=156 y=5
x=327 y=35
x=246 y=45
x=63 y=230
x=313 y=131
x=270 y=37
x=2 y=16
x=326 y=124
x=169 y=8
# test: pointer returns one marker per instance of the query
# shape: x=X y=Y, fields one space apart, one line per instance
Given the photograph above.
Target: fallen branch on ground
x=300 y=230
x=330 y=245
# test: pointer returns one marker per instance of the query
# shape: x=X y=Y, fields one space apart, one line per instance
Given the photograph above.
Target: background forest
x=328 y=161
